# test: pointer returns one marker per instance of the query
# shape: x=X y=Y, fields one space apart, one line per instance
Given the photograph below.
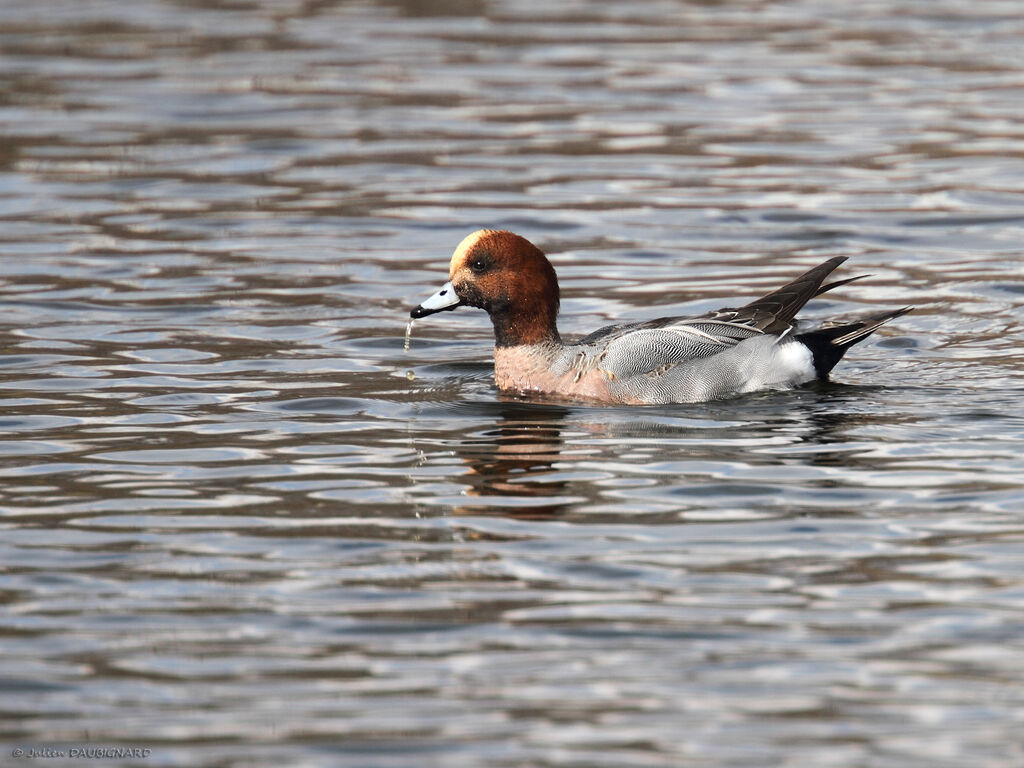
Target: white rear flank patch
x=787 y=364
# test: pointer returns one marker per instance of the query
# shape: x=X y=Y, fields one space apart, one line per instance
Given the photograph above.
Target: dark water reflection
x=240 y=526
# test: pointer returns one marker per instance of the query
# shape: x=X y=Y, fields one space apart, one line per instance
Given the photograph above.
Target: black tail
x=829 y=343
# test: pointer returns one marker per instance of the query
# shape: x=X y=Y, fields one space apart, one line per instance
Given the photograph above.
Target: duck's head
x=507 y=276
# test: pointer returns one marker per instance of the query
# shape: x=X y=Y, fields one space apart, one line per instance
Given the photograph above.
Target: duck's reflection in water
x=540 y=460
x=511 y=465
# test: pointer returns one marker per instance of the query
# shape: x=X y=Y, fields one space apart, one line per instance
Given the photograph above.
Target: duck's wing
x=631 y=349
x=774 y=313
x=648 y=347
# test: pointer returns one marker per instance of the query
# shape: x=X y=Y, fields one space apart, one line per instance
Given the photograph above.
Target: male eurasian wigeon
x=668 y=360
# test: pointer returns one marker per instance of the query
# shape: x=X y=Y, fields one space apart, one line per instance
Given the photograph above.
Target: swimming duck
x=669 y=360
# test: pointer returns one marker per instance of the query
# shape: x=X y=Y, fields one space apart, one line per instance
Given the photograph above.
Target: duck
x=723 y=353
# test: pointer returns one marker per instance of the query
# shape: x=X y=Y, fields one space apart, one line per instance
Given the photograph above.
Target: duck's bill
x=442 y=300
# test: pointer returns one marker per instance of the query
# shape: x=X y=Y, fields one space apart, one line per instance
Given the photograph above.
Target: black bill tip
x=417 y=312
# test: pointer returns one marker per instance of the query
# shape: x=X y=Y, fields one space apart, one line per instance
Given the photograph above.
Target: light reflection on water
x=243 y=526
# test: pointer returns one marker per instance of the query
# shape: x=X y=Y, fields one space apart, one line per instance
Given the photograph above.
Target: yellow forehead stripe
x=465 y=247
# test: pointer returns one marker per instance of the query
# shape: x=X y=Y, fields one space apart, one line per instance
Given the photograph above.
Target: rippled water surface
x=242 y=527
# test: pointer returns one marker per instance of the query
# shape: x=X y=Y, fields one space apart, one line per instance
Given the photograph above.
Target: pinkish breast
x=528 y=369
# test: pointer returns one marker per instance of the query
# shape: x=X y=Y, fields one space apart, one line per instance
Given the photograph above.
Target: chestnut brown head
x=507 y=276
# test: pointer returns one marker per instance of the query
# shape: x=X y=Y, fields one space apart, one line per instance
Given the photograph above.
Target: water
x=242 y=527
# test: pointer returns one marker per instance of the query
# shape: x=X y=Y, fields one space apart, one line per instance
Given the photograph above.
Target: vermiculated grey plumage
x=674 y=359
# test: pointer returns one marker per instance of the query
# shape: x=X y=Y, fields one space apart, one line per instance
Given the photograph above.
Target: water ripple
x=241 y=526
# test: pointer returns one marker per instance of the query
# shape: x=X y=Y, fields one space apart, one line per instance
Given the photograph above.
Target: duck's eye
x=478 y=265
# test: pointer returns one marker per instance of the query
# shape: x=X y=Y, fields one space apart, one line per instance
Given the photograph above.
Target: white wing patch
x=685 y=329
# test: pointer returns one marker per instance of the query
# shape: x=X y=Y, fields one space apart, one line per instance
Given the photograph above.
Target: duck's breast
x=551 y=369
